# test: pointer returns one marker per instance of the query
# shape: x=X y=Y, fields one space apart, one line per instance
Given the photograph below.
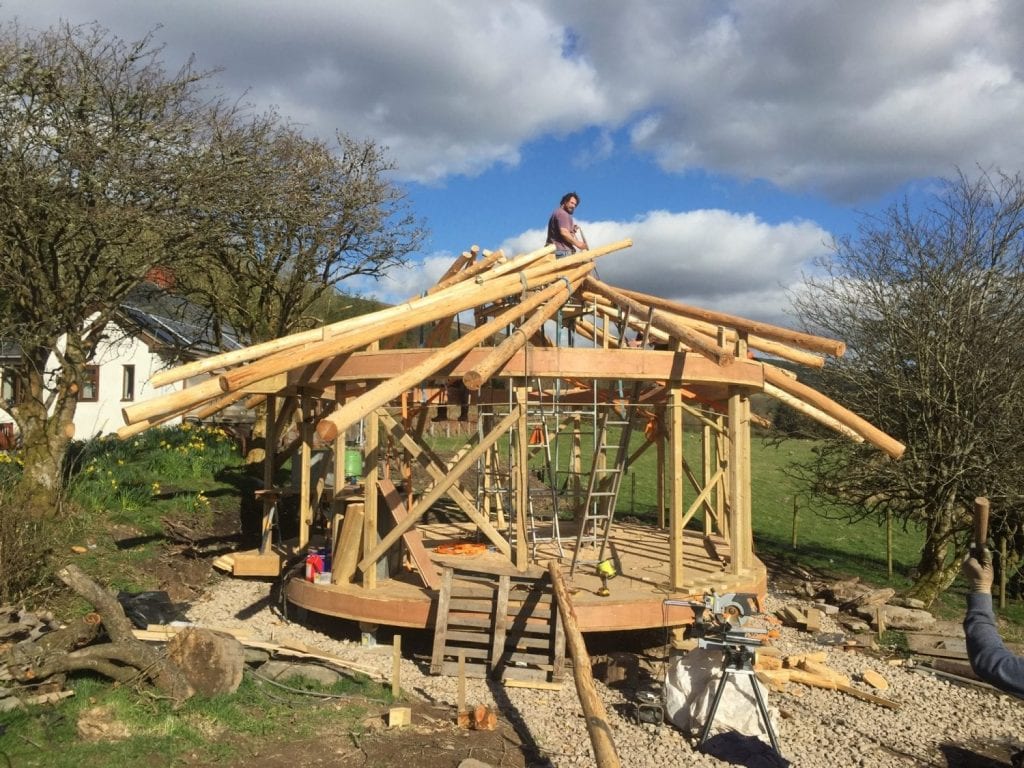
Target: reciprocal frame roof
x=700 y=349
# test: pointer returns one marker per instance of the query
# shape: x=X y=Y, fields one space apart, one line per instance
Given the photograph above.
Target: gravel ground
x=939 y=723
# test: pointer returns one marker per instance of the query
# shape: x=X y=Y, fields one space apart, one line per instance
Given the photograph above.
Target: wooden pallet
x=505 y=627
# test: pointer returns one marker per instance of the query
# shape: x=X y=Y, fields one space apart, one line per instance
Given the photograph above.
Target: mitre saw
x=725 y=619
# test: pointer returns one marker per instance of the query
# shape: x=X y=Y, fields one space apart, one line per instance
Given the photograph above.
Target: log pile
x=101 y=642
x=38 y=653
x=811 y=669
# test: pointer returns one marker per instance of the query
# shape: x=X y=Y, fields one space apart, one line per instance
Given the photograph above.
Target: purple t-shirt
x=560 y=219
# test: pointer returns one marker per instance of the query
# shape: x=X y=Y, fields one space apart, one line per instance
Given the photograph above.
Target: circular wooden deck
x=638 y=593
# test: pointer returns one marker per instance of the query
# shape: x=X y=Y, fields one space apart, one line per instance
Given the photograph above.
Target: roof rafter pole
x=809 y=410
x=172 y=403
x=405 y=316
x=726 y=335
x=521 y=261
x=313 y=336
x=663 y=322
x=462 y=261
x=218 y=405
x=764 y=330
x=133 y=429
x=481 y=373
x=862 y=427
x=386 y=391
x=474 y=269
x=582 y=257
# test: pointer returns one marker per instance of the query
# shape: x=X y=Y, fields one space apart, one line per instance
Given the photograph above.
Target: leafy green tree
x=930 y=305
x=104 y=173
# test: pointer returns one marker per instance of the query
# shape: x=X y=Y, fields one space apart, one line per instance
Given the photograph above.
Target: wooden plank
x=347 y=551
x=539 y=660
x=458 y=636
x=540 y=685
x=413 y=538
x=472 y=653
x=524 y=643
x=256 y=564
x=500 y=622
x=472 y=670
x=523 y=674
x=472 y=604
x=465 y=622
x=813 y=623
x=441 y=624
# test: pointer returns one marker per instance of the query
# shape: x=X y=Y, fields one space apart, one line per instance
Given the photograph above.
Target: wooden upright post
x=707 y=472
x=676 y=474
x=741 y=543
x=339 y=461
x=306 y=452
x=661 y=492
x=269 y=502
x=522 y=480
x=371 y=458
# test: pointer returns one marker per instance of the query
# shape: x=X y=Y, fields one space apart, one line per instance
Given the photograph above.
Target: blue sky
x=730 y=140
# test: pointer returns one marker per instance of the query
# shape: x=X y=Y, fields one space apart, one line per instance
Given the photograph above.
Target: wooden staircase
x=505 y=627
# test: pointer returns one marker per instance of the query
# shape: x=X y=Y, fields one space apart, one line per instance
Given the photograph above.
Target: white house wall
x=116 y=351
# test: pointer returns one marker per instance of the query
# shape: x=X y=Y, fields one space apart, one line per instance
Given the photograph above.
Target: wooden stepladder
x=505 y=627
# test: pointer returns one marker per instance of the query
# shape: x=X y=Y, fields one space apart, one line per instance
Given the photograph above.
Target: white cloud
x=714 y=259
x=846 y=98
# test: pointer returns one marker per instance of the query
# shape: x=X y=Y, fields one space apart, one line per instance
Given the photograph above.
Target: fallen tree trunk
x=125 y=659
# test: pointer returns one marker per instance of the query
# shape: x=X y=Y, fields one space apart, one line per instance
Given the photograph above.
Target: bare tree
x=103 y=174
x=930 y=305
x=307 y=217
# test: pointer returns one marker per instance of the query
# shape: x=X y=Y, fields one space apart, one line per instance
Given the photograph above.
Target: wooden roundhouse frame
x=639 y=358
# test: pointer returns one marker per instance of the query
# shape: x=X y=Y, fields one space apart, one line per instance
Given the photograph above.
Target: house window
x=10 y=392
x=128 y=382
x=90 y=391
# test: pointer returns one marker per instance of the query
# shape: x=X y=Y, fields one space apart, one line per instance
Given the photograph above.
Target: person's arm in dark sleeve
x=990 y=659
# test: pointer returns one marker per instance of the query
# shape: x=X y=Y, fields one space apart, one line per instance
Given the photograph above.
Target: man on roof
x=563 y=232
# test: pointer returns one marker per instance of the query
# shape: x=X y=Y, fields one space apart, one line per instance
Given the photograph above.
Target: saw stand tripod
x=739 y=662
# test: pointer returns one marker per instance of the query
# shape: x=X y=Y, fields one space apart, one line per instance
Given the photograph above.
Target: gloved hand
x=978 y=572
